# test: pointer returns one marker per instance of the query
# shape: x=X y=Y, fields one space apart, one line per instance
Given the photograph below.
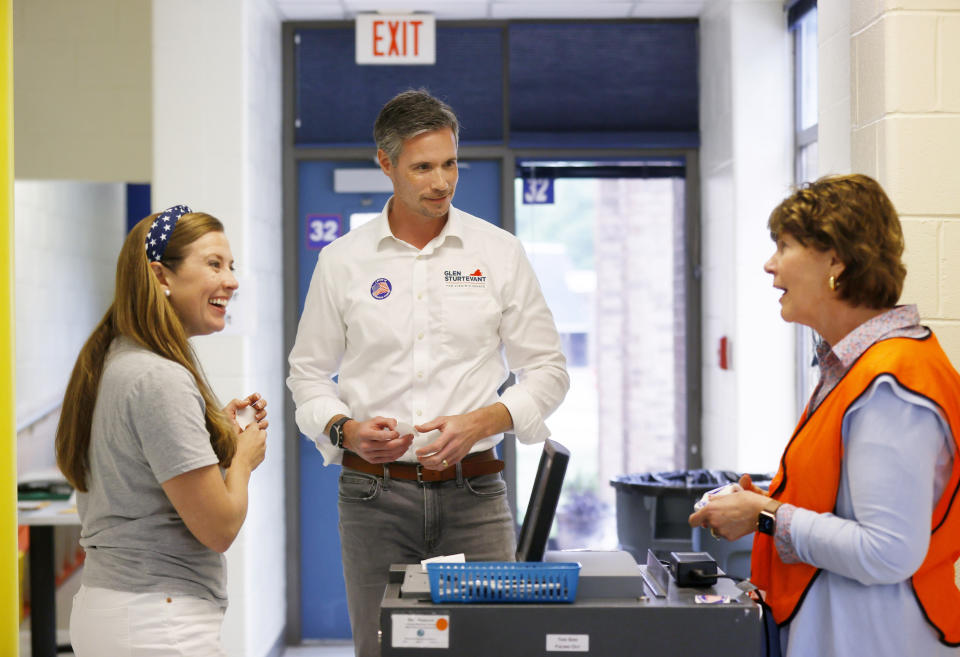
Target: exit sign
x=396 y=39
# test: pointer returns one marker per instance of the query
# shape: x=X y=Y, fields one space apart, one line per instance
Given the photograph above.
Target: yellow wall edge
x=9 y=579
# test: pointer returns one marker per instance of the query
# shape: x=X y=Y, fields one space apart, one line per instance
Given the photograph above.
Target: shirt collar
x=453 y=228
x=852 y=345
x=383 y=224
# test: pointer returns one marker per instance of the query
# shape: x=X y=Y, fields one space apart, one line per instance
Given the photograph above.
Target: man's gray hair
x=409 y=114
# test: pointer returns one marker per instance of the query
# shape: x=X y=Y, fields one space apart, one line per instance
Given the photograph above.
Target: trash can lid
x=700 y=480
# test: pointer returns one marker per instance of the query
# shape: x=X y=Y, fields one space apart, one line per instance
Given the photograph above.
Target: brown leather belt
x=473 y=465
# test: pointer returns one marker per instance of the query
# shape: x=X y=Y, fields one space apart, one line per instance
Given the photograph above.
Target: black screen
x=543 y=502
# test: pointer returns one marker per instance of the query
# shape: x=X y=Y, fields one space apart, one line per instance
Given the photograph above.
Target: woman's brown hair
x=853 y=216
x=141 y=313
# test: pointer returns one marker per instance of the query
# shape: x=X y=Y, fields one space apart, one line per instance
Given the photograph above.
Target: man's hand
x=459 y=433
x=375 y=440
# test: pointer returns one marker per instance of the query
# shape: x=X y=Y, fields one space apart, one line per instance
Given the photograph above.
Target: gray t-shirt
x=148 y=427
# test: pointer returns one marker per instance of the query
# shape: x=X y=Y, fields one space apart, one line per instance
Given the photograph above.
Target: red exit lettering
x=398 y=37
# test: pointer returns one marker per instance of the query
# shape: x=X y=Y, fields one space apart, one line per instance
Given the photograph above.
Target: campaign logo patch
x=381 y=289
x=458 y=278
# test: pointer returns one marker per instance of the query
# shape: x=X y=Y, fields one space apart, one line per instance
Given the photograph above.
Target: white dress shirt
x=418 y=334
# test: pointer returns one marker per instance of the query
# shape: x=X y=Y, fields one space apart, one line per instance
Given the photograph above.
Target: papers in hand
x=245 y=416
x=404 y=429
x=450 y=558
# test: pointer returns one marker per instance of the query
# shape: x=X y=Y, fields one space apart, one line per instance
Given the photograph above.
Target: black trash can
x=652 y=512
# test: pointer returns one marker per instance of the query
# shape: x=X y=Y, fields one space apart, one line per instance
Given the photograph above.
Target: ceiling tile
x=528 y=9
x=496 y=9
x=442 y=9
x=667 y=9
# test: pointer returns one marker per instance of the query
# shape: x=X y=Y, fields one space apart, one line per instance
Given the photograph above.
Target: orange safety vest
x=809 y=477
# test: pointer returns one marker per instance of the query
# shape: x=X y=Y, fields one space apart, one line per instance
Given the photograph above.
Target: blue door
x=324 y=214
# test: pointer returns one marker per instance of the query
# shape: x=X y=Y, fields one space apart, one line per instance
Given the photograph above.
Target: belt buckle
x=420 y=474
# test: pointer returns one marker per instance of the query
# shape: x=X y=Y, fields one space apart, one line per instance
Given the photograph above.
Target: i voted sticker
x=381 y=289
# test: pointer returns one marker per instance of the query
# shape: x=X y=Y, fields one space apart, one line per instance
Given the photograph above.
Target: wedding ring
x=713 y=532
x=444 y=463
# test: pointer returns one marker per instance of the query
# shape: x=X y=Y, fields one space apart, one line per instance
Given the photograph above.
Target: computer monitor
x=543 y=502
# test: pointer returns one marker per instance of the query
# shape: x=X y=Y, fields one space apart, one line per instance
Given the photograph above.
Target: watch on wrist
x=336 y=432
x=767 y=520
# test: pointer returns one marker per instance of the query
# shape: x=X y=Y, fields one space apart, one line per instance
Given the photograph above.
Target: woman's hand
x=254 y=401
x=212 y=506
x=734 y=515
x=251 y=447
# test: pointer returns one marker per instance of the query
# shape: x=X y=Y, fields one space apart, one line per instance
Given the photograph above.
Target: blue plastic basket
x=503 y=581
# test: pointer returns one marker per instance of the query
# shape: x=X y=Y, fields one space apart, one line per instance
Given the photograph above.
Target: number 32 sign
x=322 y=229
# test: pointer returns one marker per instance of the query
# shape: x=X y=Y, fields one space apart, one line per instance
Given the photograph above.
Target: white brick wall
x=922 y=285
x=833 y=87
x=905 y=64
x=948 y=61
x=67 y=237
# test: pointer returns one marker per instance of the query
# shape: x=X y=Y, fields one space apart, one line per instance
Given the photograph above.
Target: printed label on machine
x=420 y=631
x=568 y=643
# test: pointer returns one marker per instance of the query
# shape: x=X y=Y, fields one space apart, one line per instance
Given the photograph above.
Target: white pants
x=123 y=624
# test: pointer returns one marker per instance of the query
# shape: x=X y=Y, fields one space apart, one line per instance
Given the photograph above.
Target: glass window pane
x=807 y=163
x=609 y=255
x=806 y=53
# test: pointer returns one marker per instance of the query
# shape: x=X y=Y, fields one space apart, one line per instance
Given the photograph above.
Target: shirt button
x=419 y=412
x=419 y=336
x=419 y=375
x=420 y=296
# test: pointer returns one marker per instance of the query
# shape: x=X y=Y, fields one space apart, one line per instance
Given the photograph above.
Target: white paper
x=568 y=643
x=403 y=429
x=420 y=630
x=245 y=416
x=449 y=558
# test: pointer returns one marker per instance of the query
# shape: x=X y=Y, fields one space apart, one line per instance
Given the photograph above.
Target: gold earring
x=832 y=283
x=167 y=291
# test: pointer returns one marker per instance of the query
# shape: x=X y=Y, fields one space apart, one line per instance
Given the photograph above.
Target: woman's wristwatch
x=767 y=520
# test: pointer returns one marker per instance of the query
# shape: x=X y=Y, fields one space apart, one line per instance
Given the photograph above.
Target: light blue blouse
x=898 y=456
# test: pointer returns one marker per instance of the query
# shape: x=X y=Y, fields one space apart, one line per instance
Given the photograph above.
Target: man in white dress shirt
x=422 y=313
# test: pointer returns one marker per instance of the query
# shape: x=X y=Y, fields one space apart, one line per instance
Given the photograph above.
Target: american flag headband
x=161 y=229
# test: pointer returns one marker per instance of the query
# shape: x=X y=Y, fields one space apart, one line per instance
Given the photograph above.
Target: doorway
x=608 y=240
x=491 y=186
x=333 y=197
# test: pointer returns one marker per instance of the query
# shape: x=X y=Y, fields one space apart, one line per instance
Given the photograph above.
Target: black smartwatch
x=767 y=520
x=336 y=432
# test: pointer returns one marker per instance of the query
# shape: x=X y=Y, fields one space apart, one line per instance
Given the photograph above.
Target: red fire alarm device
x=724 y=353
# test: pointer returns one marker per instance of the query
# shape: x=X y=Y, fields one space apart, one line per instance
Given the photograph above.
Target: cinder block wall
x=905 y=115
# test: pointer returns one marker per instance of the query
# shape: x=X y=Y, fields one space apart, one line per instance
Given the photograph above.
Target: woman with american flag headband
x=161 y=471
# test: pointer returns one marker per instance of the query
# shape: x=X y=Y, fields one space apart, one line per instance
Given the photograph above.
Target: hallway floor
x=325 y=649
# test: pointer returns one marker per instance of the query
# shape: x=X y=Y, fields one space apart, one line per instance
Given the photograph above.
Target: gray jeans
x=385 y=521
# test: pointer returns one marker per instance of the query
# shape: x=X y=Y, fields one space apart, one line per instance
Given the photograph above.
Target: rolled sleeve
x=315 y=359
x=533 y=352
x=783 y=538
x=528 y=423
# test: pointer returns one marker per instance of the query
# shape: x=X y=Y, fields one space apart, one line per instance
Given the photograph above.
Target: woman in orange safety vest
x=857 y=544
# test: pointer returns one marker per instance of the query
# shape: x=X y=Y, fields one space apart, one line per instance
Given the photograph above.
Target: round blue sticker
x=381 y=289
